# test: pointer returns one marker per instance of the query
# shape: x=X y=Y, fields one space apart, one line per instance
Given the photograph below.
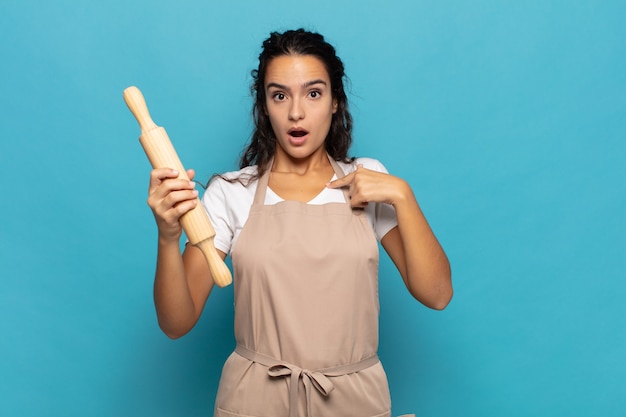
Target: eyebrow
x=305 y=85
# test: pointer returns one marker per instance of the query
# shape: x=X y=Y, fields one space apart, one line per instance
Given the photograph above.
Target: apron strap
x=340 y=174
x=315 y=378
x=259 y=195
x=261 y=186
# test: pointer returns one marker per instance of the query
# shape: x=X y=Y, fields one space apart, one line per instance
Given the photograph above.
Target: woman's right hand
x=170 y=197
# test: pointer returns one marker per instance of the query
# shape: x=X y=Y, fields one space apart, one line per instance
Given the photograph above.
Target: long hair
x=262 y=144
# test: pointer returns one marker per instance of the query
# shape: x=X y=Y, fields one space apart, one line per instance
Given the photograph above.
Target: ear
x=335 y=105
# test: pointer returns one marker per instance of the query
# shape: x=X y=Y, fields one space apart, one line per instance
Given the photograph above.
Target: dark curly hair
x=262 y=144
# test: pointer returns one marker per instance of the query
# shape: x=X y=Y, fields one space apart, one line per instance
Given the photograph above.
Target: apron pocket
x=246 y=390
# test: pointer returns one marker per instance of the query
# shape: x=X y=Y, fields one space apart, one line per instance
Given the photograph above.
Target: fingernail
x=192 y=184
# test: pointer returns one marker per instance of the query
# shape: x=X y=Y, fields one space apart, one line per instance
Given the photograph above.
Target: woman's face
x=299 y=104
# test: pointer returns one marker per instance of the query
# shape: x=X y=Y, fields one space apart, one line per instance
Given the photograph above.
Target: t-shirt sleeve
x=384 y=219
x=214 y=202
x=383 y=215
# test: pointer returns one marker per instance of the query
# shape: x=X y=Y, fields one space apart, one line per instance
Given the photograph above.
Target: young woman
x=301 y=221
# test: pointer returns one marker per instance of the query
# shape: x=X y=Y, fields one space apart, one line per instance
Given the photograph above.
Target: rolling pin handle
x=137 y=105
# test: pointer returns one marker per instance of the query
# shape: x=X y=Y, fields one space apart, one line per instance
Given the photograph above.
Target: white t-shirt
x=228 y=203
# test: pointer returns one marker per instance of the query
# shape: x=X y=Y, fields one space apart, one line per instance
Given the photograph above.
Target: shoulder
x=241 y=176
x=368 y=163
x=232 y=188
x=233 y=180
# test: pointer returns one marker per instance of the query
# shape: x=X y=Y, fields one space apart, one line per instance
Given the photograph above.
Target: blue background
x=507 y=118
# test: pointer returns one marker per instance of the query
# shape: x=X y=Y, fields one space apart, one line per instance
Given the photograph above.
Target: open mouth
x=297 y=133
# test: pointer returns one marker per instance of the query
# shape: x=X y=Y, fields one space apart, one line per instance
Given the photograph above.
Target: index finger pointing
x=341 y=182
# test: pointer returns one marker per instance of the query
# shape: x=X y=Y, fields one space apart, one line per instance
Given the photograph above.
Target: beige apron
x=306 y=314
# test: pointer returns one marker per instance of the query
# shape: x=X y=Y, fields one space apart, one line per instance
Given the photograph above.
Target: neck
x=285 y=163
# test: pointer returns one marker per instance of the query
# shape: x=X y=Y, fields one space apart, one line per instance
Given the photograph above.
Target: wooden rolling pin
x=161 y=153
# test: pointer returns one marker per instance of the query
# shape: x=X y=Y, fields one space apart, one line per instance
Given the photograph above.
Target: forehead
x=295 y=70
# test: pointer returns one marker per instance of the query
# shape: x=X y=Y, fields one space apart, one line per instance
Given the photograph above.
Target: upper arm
x=392 y=243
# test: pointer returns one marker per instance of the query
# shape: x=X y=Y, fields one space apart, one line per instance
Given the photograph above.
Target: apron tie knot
x=309 y=379
x=317 y=378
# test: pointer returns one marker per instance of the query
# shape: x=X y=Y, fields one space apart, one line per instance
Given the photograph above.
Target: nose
x=296 y=110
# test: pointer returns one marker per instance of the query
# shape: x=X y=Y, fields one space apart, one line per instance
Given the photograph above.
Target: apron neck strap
x=259 y=195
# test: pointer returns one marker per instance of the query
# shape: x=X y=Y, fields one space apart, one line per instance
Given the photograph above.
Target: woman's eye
x=314 y=94
x=279 y=96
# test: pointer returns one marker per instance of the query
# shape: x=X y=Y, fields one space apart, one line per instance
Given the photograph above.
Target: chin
x=300 y=152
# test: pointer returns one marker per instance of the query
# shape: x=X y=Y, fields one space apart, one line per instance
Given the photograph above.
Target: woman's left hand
x=367 y=186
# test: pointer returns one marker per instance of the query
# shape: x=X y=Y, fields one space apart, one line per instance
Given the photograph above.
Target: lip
x=297 y=135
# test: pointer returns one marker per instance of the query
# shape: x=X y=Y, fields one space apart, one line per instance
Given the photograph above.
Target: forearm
x=174 y=304
x=426 y=268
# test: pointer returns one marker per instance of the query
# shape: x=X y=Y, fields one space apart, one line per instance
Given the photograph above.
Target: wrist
x=403 y=194
x=166 y=240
